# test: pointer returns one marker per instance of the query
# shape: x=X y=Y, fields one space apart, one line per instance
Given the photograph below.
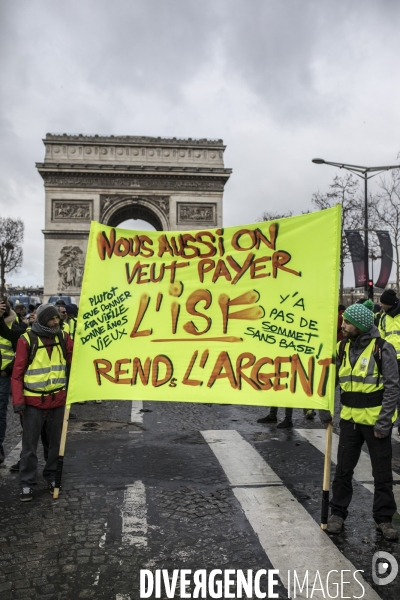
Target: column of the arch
x=68 y=212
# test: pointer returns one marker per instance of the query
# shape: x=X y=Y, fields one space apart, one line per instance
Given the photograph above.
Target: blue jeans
x=5 y=387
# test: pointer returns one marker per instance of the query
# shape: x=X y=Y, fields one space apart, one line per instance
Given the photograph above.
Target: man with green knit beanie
x=369 y=304
x=369 y=387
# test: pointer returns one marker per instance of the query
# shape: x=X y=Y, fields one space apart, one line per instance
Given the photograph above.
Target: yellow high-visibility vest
x=6 y=351
x=361 y=380
x=64 y=326
x=45 y=374
x=389 y=328
x=72 y=327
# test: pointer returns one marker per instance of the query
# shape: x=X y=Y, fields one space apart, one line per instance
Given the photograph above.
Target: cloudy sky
x=280 y=81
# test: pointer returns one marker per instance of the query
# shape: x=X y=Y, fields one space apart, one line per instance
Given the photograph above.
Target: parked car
x=67 y=299
x=26 y=300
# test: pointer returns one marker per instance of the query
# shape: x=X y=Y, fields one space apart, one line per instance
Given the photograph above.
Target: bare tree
x=344 y=191
x=387 y=212
x=273 y=216
x=11 y=238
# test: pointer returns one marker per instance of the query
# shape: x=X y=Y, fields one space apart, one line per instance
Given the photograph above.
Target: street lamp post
x=362 y=172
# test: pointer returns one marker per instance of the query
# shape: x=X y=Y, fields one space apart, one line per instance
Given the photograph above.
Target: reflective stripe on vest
x=45 y=374
x=43 y=370
x=6 y=351
x=390 y=331
x=364 y=377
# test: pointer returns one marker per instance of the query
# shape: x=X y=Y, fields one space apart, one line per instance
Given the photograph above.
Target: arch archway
x=137 y=225
x=118 y=208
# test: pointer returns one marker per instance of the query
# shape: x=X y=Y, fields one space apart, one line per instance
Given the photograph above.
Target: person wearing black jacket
x=10 y=332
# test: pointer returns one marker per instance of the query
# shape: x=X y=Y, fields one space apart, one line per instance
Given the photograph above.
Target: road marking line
x=12 y=458
x=289 y=535
x=136 y=415
x=363 y=470
x=395 y=434
x=134 y=516
x=371 y=487
x=249 y=468
x=122 y=597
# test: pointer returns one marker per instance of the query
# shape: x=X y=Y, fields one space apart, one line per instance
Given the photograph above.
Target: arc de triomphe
x=171 y=183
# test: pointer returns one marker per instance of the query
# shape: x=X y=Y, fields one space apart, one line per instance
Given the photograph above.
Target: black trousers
x=43 y=436
x=274 y=412
x=34 y=420
x=351 y=439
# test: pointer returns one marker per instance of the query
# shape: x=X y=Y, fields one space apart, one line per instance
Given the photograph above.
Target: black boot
x=335 y=524
x=271 y=418
x=388 y=530
x=286 y=423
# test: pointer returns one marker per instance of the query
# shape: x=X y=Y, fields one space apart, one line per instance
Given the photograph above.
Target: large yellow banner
x=244 y=315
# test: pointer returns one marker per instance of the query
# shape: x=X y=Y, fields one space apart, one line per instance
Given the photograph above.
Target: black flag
x=356 y=247
x=387 y=258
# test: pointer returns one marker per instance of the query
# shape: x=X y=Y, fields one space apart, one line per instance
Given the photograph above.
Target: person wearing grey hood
x=369 y=388
x=38 y=384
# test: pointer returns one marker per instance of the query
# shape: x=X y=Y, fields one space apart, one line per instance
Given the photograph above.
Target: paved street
x=183 y=486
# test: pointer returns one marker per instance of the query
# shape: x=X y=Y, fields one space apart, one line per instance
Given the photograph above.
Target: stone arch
x=174 y=184
x=119 y=207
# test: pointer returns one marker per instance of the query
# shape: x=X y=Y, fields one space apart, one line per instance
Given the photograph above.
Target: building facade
x=173 y=184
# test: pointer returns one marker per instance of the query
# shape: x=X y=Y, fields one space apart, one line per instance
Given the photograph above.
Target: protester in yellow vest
x=369 y=388
x=389 y=326
x=71 y=319
x=63 y=315
x=9 y=334
x=389 y=323
x=38 y=386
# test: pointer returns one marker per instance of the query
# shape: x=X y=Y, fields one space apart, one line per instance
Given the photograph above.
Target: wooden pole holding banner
x=327 y=476
x=60 y=460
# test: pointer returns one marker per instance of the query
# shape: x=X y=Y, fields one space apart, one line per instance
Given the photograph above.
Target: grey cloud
x=118 y=49
x=278 y=80
x=275 y=47
x=121 y=44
